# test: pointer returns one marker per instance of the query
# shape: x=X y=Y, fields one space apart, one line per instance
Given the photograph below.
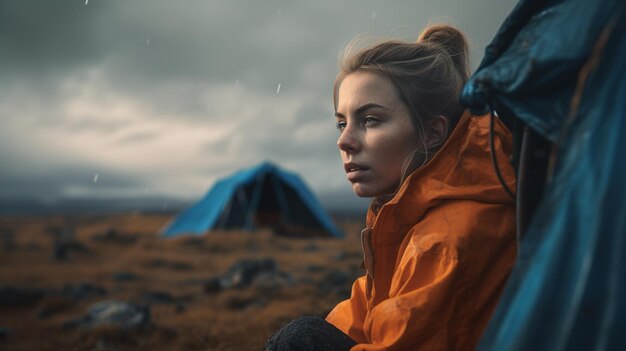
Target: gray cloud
x=67 y=181
x=46 y=38
x=169 y=96
x=137 y=137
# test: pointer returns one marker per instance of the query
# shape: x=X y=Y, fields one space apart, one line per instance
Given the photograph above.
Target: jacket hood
x=461 y=170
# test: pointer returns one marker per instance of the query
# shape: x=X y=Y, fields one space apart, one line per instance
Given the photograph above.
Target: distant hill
x=90 y=206
x=349 y=209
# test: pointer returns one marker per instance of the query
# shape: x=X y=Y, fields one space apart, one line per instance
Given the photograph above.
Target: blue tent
x=261 y=196
x=556 y=70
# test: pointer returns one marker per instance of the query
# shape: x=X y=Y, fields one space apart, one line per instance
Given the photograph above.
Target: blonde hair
x=428 y=76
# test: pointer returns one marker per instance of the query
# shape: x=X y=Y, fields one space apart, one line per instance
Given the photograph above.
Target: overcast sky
x=137 y=98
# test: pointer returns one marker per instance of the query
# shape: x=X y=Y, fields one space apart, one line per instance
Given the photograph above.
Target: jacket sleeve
x=349 y=315
x=418 y=313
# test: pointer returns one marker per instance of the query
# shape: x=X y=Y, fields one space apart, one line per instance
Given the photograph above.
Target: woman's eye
x=341 y=125
x=370 y=121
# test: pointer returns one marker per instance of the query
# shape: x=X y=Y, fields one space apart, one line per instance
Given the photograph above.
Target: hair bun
x=452 y=41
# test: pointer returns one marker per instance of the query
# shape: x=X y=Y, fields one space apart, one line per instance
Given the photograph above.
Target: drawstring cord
x=494 y=159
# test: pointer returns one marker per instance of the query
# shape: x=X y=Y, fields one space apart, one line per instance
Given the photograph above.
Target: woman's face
x=377 y=133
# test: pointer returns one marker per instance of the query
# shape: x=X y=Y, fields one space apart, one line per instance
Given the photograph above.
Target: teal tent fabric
x=559 y=67
x=233 y=203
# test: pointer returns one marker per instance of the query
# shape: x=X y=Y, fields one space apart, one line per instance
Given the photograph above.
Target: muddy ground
x=53 y=269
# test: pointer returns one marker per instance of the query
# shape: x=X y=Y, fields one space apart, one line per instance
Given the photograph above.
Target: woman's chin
x=362 y=191
x=372 y=190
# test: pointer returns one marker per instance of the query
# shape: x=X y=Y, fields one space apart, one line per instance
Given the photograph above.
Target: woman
x=439 y=240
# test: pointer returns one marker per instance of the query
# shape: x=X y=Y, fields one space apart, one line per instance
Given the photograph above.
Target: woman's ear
x=437 y=131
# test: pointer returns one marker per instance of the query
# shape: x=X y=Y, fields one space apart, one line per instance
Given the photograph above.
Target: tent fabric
x=245 y=190
x=559 y=67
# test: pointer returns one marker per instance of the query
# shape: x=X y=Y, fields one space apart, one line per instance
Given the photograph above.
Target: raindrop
x=86 y=2
x=208 y=107
x=147 y=41
x=278 y=89
x=237 y=83
x=95 y=178
x=373 y=14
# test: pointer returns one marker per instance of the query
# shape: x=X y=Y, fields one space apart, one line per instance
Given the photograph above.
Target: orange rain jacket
x=437 y=255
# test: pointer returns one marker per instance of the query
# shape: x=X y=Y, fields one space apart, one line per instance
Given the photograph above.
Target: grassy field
x=131 y=263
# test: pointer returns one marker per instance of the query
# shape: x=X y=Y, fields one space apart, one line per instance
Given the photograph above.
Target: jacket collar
x=461 y=169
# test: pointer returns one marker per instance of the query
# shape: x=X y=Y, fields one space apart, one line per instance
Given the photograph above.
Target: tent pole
x=254 y=202
x=282 y=199
x=225 y=214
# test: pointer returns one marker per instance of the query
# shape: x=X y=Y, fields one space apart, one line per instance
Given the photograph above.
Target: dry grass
x=237 y=319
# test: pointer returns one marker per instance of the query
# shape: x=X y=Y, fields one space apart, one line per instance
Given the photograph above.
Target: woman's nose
x=348 y=141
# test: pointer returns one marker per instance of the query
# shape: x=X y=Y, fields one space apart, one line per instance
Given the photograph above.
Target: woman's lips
x=354 y=171
x=355 y=175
